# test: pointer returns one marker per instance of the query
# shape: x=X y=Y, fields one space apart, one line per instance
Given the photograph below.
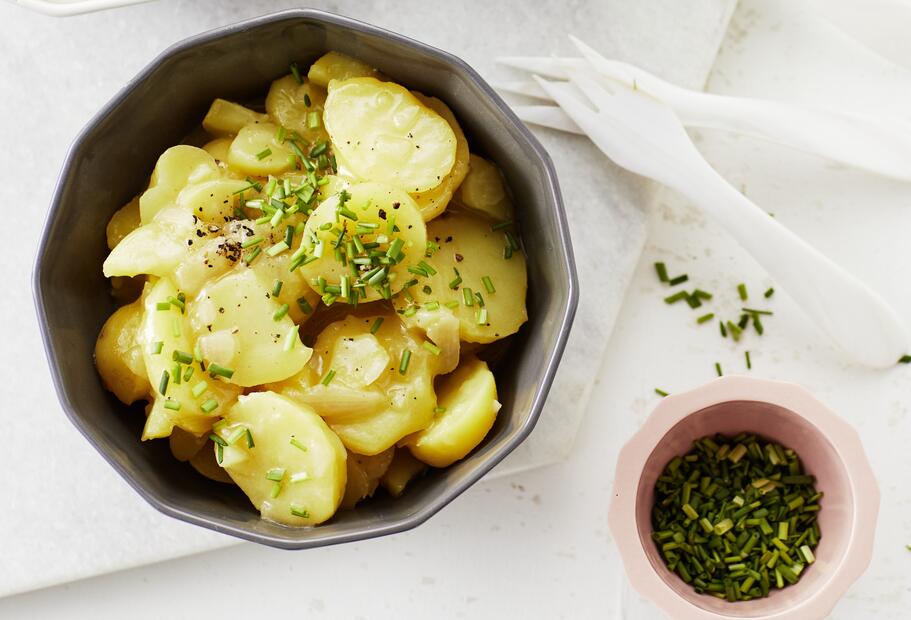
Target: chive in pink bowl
x=829 y=448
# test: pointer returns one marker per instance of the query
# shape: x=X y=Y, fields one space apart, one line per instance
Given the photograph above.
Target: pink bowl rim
x=673 y=409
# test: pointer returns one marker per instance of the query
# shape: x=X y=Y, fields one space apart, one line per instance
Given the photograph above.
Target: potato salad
x=307 y=295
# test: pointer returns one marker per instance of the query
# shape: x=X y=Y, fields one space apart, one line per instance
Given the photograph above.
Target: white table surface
x=535 y=544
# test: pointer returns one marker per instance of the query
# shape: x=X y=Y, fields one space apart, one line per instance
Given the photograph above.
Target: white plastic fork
x=873 y=143
x=644 y=136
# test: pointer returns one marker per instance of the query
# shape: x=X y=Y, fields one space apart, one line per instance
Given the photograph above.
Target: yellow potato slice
x=177 y=167
x=242 y=328
x=295 y=472
x=369 y=402
x=155 y=248
x=434 y=201
x=118 y=356
x=171 y=329
x=384 y=133
x=218 y=148
x=212 y=201
x=226 y=118
x=287 y=101
x=184 y=446
x=403 y=469
x=374 y=204
x=337 y=66
x=468 y=244
x=256 y=150
x=484 y=192
x=124 y=221
x=364 y=473
x=469 y=399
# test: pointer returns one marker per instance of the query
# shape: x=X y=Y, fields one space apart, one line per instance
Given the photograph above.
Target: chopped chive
x=454 y=283
x=692 y=301
x=163 y=382
x=175 y=374
x=175 y=327
x=182 y=356
x=297 y=444
x=661 y=270
x=705 y=318
x=467 y=296
x=299 y=476
x=276 y=490
x=276 y=474
x=280 y=313
x=482 y=316
x=403 y=364
x=718 y=369
x=700 y=294
x=431 y=347
x=295 y=71
x=277 y=249
x=236 y=435
x=251 y=241
x=188 y=373
x=277 y=288
x=754 y=311
x=158 y=345
x=298 y=511
x=220 y=371
x=452 y=304
x=264 y=153
x=742 y=291
x=219 y=453
x=199 y=388
x=904 y=359
x=217 y=439
x=209 y=406
x=328 y=378
x=676 y=297
x=307 y=101
x=375 y=327
x=173 y=405
x=163 y=305
x=769 y=293
x=678 y=280
x=746 y=355
x=488 y=284
x=290 y=339
x=501 y=225
x=660 y=392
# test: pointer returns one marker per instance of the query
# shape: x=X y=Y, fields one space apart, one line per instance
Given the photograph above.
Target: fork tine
x=526 y=88
x=596 y=93
x=552 y=67
x=612 y=69
x=547 y=116
x=579 y=112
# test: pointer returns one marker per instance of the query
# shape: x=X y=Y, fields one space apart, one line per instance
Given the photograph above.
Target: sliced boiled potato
x=226 y=118
x=364 y=473
x=292 y=444
x=204 y=462
x=212 y=201
x=384 y=133
x=287 y=103
x=242 y=328
x=484 y=192
x=374 y=204
x=302 y=300
x=198 y=401
x=468 y=398
x=403 y=469
x=177 y=167
x=337 y=66
x=469 y=246
x=256 y=150
x=443 y=329
x=118 y=355
x=184 y=446
x=155 y=248
x=434 y=201
x=368 y=401
x=124 y=221
x=218 y=148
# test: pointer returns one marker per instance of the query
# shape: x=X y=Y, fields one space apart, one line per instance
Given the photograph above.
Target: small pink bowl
x=829 y=449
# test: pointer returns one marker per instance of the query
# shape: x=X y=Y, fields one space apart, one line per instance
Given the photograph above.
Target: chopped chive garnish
x=439 y=409
x=199 y=388
x=163 y=305
x=188 y=373
x=298 y=511
x=264 y=153
x=754 y=311
x=304 y=305
x=501 y=225
x=299 y=476
x=904 y=359
x=467 y=296
x=277 y=249
x=482 y=316
x=294 y=442
x=705 y=318
x=163 y=382
x=676 y=297
x=326 y=380
x=403 y=364
x=175 y=327
x=209 y=406
x=692 y=301
x=295 y=71
x=307 y=101
x=452 y=304
x=661 y=270
x=290 y=338
x=276 y=490
x=280 y=313
x=158 y=345
x=219 y=453
x=220 y=371
x=175 y=374
x=173 y=405
x=769 y=293
x=250 y=443
x=746 y=355
x=660 y=392
x=718 y=369
x=721 y=328
x=182 y=356
x=276 y=474
x=277 y=288
x=742 y=291
x=678 y=280
x=488 y=284
x=251 y=241
x=218 y=440
x=431 y=347
x=375 y=327
x=700 y=294
x=234 y=437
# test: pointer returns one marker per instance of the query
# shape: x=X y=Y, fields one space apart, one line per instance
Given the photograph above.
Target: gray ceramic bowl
x=109 y=163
